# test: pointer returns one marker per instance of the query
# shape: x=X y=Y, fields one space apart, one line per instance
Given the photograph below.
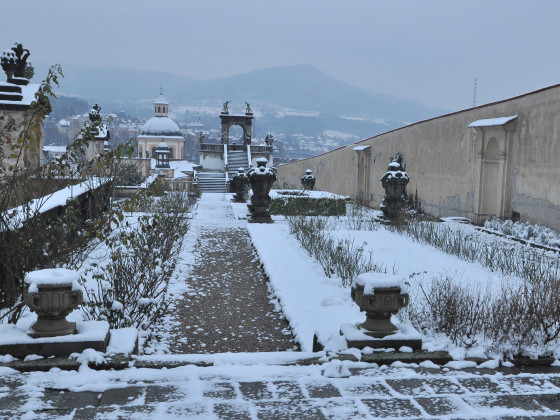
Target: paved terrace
x=227 y=306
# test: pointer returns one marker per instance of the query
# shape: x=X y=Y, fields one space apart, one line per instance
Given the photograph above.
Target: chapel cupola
x=161 y=106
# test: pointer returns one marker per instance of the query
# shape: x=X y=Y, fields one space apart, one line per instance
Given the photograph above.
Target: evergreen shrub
x=301 y=203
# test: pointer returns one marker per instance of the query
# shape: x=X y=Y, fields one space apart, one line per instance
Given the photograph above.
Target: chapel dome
x=160 y=126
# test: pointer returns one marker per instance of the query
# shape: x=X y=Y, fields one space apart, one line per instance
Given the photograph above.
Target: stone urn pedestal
x=394 y=182
x=308 y=180
x=380 y=296
x=52 y=294
x=261 y=179
x=238 y=185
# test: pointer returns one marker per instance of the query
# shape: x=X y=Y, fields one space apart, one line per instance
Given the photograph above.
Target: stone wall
x=12 y=122
x=457 y=170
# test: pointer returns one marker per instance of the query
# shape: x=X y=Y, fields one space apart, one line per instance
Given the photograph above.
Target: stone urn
x=394 y=182
x=52 y=294
x=238 y=185
x=261 y=179
x=308 y=180
x=379 y=296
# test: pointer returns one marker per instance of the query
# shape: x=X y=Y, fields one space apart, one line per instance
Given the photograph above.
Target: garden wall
x=472 y=163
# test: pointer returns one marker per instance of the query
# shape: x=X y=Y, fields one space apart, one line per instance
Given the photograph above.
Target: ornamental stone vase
x=308 y=180
x=379 y=300
x=52 y=294
x=394 y=182
x=238 y=185
x=261 y=179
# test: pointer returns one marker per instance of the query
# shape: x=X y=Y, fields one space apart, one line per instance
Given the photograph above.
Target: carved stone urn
x=308 y=180
x=379 y=296
x=52 y=294
x=261 y=179
x=238 y=184
x=394 y=182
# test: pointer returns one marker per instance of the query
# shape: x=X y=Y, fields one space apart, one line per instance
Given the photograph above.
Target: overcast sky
x=428 y=51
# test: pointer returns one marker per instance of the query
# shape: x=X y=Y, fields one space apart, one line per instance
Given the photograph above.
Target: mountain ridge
x=301 y=87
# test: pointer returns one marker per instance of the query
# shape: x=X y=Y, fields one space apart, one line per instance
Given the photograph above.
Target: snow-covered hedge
x=307 y=203
x=525 y=230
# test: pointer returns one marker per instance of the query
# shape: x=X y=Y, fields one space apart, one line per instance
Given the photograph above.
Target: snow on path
x=222 y=302
x=312 y=302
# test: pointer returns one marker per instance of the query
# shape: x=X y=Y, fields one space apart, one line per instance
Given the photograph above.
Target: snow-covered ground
x=254 y=385
x=314 y=303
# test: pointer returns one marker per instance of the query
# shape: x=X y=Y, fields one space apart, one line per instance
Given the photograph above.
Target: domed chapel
x=160 y=129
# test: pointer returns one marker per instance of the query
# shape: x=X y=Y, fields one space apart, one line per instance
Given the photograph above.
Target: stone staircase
x=211 y=182
x=237 y=159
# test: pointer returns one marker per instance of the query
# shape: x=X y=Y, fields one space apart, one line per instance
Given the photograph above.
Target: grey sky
x=428 y=51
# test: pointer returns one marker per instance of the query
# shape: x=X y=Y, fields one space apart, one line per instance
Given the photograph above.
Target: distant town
x=70 y=114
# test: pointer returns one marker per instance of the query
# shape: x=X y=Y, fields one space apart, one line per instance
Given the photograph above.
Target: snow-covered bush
x=453 y=309
x=498 y=256
x=130 y=285
x=315 y=203
x=341 y=258
x=525 y=230
x=521 y=319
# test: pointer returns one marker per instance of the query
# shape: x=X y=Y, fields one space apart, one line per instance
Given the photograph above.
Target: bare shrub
x=130 y=287
x=358 y=218
x=340 y=257
x=520 y=318
x=526 y=315
x=458 y=311
x=529 y=264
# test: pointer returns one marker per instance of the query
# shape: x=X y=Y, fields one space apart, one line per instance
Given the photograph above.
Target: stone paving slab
x=301 y=392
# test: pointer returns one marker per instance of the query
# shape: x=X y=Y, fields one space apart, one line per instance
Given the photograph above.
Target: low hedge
x=306 y=203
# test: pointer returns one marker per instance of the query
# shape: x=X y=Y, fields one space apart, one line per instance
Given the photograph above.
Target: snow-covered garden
x=472 y=293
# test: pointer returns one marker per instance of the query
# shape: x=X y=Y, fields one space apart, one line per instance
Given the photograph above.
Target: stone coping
x=91 y=334
x=121 y=361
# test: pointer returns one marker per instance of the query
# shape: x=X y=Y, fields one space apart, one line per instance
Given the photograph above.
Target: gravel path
x=229 y=306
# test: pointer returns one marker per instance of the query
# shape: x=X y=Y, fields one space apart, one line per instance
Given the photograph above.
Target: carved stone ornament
x=394 y=182
x=261 y=179
x=238 y=185
x=52 y=294
x=14 y=63
x=308 y=180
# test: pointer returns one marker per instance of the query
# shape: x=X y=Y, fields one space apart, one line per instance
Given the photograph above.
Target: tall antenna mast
x=474 y=94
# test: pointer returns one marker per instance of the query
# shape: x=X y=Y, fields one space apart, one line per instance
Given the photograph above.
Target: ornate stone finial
x=14 y=63
x=161 y=90
x=269 y=139
x=225 y=109
x=95 y=113
x=308 y=180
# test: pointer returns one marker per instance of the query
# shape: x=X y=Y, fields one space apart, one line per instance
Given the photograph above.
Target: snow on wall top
x=28 y=93
x=360 y=148
x=21 y=213
x=492 y=121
